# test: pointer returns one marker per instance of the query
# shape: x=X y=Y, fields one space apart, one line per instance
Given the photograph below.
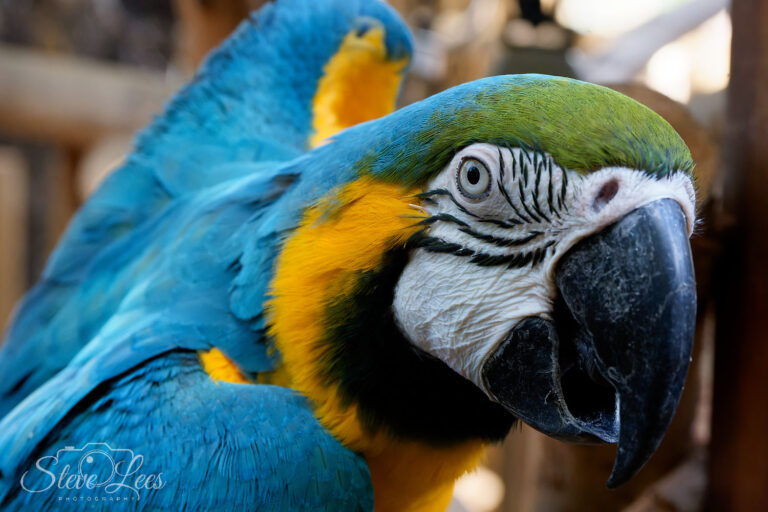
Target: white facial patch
x=489 y=255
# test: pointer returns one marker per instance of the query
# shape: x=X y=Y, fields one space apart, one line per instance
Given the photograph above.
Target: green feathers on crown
x=585 y=127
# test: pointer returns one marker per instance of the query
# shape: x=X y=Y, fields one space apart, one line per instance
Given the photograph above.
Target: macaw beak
x=610 y=364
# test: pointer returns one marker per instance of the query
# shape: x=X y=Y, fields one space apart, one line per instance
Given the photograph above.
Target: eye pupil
x=473 y=179
x=473 y=175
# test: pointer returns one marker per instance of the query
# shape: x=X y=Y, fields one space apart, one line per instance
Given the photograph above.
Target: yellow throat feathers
x=342 y=236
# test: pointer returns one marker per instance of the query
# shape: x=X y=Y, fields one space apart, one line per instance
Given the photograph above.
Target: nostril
x=607 y=192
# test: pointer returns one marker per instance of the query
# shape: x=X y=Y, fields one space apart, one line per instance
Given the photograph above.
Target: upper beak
x=610 y=364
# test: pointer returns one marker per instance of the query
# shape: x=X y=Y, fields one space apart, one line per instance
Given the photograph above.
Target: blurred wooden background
x=79 y=77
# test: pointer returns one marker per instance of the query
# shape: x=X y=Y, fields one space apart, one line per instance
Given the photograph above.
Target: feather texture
x=175 y=254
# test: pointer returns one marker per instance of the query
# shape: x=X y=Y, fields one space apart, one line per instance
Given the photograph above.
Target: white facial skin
x=459 y=305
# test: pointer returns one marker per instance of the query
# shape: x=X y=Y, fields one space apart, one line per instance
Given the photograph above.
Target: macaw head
x=307 y=69
x=354 y=56
x=513 y=248
x=361 y=80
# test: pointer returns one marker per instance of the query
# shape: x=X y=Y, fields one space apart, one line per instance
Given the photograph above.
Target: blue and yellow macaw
x=276 y=305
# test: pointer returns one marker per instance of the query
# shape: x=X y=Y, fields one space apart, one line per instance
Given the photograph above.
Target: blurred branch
x=75 y=101
x=629 y=53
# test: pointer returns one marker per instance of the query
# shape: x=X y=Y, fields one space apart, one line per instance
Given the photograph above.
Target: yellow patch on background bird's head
x=360 y=83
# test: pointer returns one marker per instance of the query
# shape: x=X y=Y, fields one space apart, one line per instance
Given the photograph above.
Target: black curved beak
x=610 y=364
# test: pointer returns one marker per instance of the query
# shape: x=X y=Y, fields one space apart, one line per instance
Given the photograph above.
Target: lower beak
x=610 y=364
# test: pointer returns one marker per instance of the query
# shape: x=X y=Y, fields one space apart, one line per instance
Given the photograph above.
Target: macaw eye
x=473 y=179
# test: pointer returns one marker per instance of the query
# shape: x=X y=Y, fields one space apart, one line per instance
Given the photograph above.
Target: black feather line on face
x=514 y=164
x=397 y=387
x=520 y=260
x=512 y=260
x=525 y=206
x=447 y=193
x=508 y=224
x=439 y=245
x=444 y=217
x=563 y=187
x=489 y=260
x=550 y=198
x=512 y=224
x=501 y=164
x=521 y=218
x=524 y=168
x=536 y=191
x=500 y=241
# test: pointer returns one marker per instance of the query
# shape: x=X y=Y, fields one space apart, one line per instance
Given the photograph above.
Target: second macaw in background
x=276 y=327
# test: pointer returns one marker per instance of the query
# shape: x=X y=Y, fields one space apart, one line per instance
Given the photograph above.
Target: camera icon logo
x=93 y=470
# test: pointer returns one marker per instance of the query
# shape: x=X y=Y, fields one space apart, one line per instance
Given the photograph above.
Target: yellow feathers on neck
x=346 y=234
x=360 y=83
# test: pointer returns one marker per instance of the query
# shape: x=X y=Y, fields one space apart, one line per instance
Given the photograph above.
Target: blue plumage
x=175 y=252
x=196 y=434
x=250 y=103
x=158 y=261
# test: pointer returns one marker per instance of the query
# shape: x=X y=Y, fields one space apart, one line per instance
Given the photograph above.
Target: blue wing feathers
x=148 y=299
x=174 y=252
x=239 y=445
x=249 y=105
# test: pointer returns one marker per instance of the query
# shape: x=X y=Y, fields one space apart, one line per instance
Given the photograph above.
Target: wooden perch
x=629 y=53
x=75 y=101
